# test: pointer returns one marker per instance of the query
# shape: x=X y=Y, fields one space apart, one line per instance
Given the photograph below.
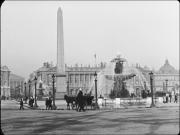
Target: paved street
x=164 y=120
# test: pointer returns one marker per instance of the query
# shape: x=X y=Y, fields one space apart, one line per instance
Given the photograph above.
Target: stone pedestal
x=61 y=86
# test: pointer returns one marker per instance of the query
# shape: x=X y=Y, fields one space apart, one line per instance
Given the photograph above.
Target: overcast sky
x=142 y=32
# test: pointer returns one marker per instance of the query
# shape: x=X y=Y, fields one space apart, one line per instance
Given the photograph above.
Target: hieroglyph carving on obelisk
x=60 y=76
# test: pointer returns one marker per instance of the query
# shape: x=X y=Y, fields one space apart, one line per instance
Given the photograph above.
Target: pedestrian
x=170 y=97
x=80 y=100
x=175 y=98
x=167 y=96
x=47 y=103
x=50 y=103
x=32 y=101
x=166 y=99
x=21 y=104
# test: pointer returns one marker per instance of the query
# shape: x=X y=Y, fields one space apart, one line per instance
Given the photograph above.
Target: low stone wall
x=125 y=102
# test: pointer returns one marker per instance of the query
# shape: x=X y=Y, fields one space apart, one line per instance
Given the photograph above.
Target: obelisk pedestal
x=60 y=75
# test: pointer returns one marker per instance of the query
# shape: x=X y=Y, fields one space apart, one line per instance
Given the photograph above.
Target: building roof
x=4 y=68
x=167 y=69
x=16 y=77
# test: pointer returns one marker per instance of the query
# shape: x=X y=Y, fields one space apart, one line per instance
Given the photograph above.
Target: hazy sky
x=143 y=32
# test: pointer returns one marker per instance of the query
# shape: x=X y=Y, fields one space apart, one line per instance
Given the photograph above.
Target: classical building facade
x=167 y=78
x=16 y=85
x=11 y=84
x=77 y=77
x=5 y=82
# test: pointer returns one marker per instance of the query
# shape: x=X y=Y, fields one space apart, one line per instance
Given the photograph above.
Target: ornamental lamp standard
x=151 y=84
x=68 y=88
x=95 y=80
x=25 y=92
x=53 y=81
x=68 y=85
x=145 y=86
x=29 y=82
x=35 y=79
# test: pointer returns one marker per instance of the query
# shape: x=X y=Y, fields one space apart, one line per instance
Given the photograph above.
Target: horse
x=88 y=101
x=70 y=100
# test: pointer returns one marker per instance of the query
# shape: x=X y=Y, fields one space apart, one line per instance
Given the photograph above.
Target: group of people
x=31 y=102
x=48 y=103
x=168 y=98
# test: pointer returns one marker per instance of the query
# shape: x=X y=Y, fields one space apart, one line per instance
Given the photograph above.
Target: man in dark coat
x=170 y=96
x=32 y=102
x=50 y=103
x=21 y=105
x=80 y=101
x=175 y=98
x=47 y=103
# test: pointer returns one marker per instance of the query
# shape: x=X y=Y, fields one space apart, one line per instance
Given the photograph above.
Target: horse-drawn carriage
x=79 y=102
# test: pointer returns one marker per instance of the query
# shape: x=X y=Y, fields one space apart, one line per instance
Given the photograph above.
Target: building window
x=76 y=78
x=86 y=78
x=70 y=78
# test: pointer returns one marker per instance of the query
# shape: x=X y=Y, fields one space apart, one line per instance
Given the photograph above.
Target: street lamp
x=68 y=85
x=151 y=83
x=95 y=76
x=29 y=82
x=53 y=81
x=35 y=79
x=25 y=92
x=145 y=86
x=68 y=88
x=166 y=85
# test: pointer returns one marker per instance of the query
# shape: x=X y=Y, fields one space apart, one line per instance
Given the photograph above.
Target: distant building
x=5 y=82
x=16 y=85
x=76 y=77
x=83 y=77
x=167 y=78
x=11 y=85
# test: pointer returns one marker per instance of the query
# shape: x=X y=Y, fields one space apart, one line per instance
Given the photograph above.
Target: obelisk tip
x=59 y=10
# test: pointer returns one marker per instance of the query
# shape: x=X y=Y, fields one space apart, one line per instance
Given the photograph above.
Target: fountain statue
x=112 y=78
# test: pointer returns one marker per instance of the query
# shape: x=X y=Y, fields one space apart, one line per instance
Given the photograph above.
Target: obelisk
x=60 y=75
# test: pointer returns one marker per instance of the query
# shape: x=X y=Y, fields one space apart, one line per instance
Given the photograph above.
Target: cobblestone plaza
x=163 y=120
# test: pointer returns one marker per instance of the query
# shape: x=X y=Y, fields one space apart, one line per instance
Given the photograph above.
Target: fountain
x=115 y=79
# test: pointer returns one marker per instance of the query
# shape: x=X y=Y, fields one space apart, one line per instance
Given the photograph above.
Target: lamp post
x=166 y=85
x=25 y=92
x=145 y=86
x=68 y=88
x=53 y=81
x=95 y=76
x=35 y=79
x=68 y=85
x=151 y=83
x=29 y=82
